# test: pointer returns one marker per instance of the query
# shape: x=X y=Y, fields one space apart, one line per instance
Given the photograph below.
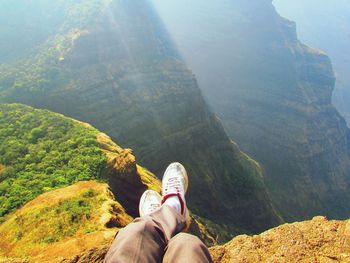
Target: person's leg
x=145 y=239
x=186 y=248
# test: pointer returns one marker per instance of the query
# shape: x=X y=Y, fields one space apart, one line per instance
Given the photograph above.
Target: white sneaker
x=175 y=183
x=150 y=201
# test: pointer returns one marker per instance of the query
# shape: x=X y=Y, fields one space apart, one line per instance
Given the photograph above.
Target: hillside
x=41 y=151
x=273 y=95
x=77 y=217
x=113 y=65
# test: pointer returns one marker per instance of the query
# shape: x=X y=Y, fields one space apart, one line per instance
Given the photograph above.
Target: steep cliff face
x=325 y=26
x=273 y=95
x=114 y=66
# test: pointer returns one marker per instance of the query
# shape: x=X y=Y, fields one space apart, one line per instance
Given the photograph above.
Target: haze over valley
x=97 y=97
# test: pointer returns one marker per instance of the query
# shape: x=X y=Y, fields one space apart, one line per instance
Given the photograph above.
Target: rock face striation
x=326 y=26
x=112 y=64
x=273 y=95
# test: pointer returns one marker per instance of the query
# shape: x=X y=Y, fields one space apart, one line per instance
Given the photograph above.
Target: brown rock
x=317 y=240
x=93 y=255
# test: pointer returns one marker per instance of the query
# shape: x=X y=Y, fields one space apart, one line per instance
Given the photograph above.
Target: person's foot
x=150 y=201
x=174 y=187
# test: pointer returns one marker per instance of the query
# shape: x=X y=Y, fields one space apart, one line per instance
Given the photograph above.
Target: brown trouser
x=156 y=238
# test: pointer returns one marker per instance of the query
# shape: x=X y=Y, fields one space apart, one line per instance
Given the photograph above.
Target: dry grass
x=23 y=233
x=2 y=167
x=55 y=196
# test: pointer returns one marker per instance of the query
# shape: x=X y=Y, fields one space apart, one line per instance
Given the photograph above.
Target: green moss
x=43 y=151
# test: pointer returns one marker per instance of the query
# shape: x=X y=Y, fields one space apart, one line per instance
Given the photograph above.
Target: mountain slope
x=119 y=71
x=41 y=151
x=273 y=95
x=77 y=217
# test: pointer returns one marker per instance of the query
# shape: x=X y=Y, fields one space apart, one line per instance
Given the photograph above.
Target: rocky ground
x=317 y=240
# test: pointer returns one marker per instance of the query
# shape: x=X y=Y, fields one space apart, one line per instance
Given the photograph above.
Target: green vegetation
x=72 y=212
x=62 y=223
x=42 y=151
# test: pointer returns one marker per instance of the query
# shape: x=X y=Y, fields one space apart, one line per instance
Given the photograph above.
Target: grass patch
x=49 y=224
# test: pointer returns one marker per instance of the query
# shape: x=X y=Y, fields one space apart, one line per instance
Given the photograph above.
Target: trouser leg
x=186 y=248
x=145 y=239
